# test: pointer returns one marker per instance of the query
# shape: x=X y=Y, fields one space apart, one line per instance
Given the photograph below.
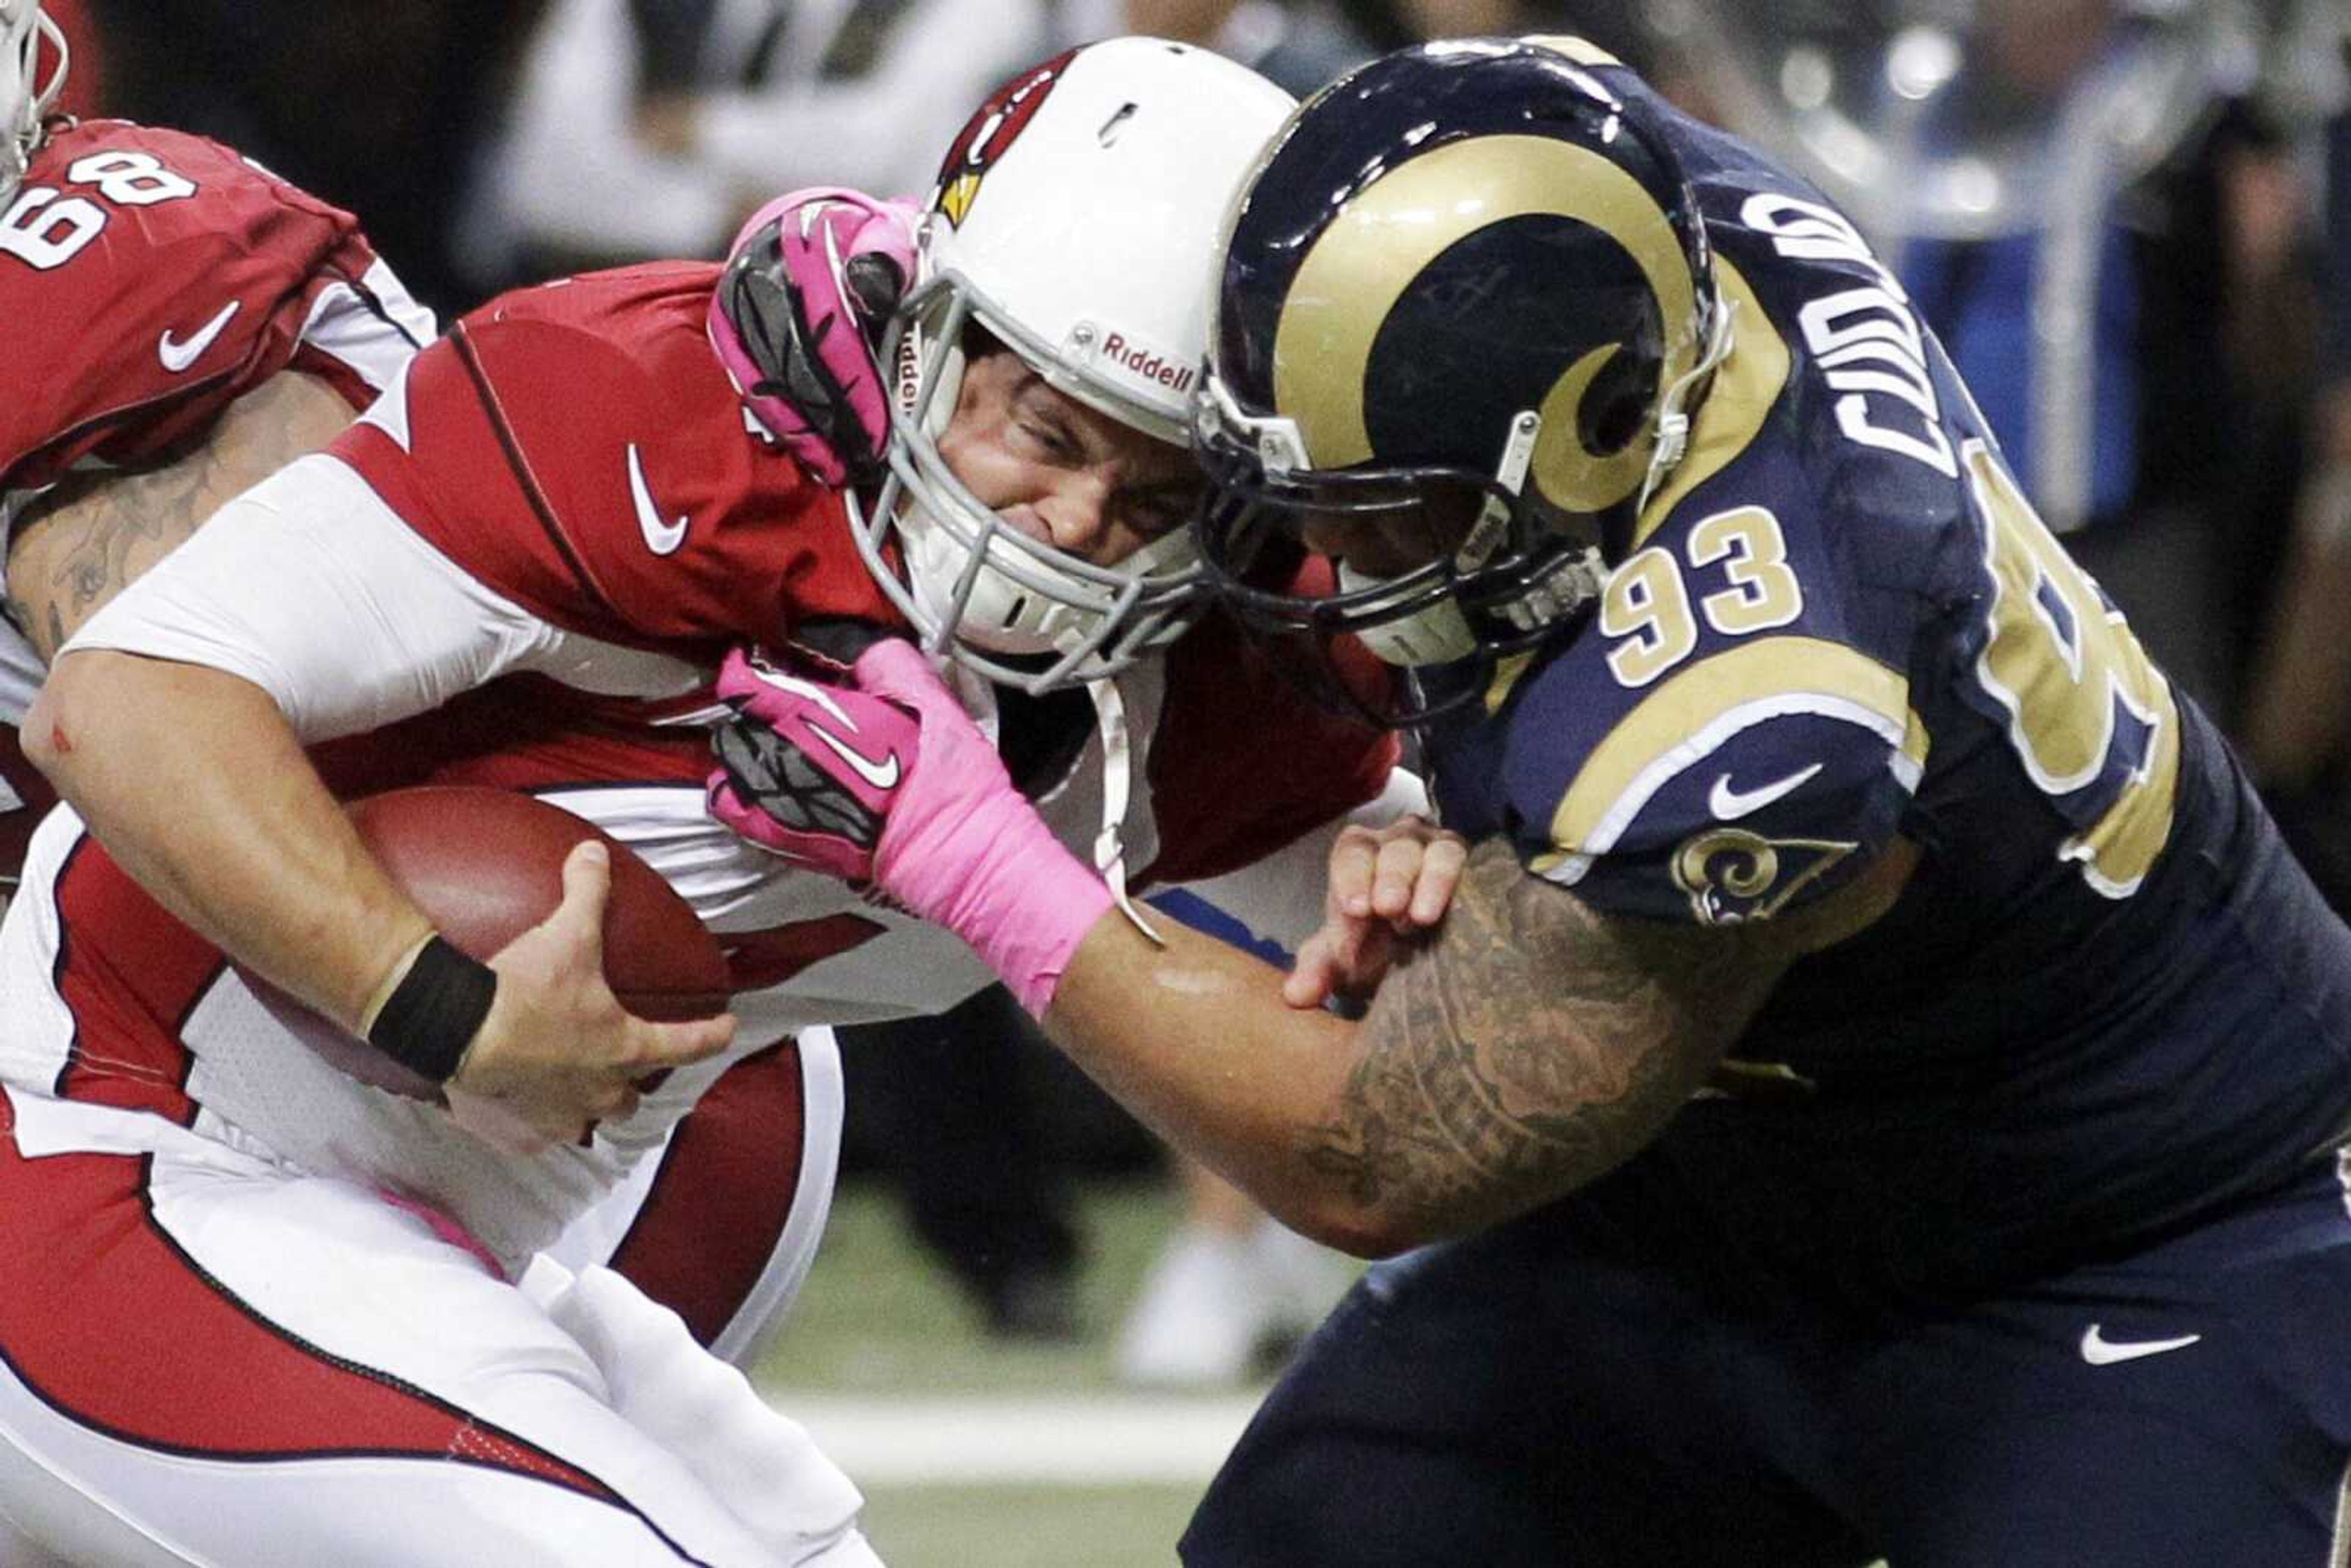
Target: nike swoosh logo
x=178 y=356
x=2100 y=1351
x=1729 y=804
x=882 y=775
x=660 y=537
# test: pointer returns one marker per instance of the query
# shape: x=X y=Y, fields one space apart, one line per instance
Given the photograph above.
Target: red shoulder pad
x=577 y=447
x=1228 y=794
x=151 y=278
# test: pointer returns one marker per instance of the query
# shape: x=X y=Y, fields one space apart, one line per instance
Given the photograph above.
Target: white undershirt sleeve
x=314 y=589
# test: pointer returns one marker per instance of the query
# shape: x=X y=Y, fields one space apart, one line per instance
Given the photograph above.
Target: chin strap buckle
x=1563 y=590
x=1118 y=768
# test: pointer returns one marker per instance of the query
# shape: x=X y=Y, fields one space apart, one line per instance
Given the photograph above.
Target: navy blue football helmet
x=1465 y=303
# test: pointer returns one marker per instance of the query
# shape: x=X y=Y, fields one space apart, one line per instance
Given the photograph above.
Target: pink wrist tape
x=964 y=849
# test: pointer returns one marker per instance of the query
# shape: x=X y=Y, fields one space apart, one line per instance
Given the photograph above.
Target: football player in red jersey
x=195 y=323
x=527 y=560
x=187 y=323
x=182 y=324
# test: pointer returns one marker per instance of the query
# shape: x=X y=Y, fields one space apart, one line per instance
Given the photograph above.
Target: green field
x=880 y=1331
x=879 y=1317
x=1016 y=1527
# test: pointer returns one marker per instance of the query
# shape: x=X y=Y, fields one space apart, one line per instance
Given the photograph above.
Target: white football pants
x=206 y=1359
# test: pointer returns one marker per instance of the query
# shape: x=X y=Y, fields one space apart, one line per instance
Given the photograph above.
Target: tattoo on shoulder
x=88 y=540
x=1533 y=1045
x=96 y=533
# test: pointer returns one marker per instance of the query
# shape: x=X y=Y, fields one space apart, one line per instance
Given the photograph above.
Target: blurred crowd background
x=2128 y=220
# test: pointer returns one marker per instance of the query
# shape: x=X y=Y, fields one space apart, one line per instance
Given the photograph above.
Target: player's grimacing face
x=1064 y=473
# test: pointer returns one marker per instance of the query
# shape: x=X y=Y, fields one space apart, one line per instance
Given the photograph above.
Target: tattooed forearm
x=85 y=541
x=1532 y=1048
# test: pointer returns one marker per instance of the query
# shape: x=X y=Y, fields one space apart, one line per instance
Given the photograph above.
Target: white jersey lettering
x=1867 y=340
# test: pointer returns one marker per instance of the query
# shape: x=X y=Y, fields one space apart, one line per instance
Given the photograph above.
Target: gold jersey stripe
x=1770 y=674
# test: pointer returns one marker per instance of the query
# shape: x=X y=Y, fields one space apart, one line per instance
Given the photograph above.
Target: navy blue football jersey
x=2108 y=1001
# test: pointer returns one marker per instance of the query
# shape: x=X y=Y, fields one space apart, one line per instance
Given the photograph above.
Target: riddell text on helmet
x=1149 y=363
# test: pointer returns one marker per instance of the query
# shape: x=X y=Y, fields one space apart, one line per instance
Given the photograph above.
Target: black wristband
x=433 y=1015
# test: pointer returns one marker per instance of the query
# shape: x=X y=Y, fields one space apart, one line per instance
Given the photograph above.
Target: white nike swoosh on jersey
x=882 y=775
x=178 y=356
x=1729 y=804
x=660 y=537
x=2100 y=1351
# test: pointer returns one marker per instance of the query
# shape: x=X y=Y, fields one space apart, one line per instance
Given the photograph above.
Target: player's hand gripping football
x=1386 y=886
x=797 y=318
x=885 y=779
x=558 y=1053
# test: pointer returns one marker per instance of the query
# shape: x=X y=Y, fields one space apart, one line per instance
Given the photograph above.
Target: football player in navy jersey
x=1879 y=1086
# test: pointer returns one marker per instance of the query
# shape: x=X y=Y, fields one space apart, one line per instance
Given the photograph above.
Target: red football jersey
x=577 y=447
x=1242 y=761
x=148 y=278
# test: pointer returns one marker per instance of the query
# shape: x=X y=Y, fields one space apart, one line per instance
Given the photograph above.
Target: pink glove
x=809 y=284
x=956 y=843
x=807 y=770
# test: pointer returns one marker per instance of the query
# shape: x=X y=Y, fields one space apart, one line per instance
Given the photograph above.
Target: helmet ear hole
x=1615 y=407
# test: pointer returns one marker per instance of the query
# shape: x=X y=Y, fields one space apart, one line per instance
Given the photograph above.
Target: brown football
x=487 y=865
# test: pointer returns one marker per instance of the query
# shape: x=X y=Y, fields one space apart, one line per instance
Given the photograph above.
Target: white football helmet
x=24 y=101
x=1075 y=220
